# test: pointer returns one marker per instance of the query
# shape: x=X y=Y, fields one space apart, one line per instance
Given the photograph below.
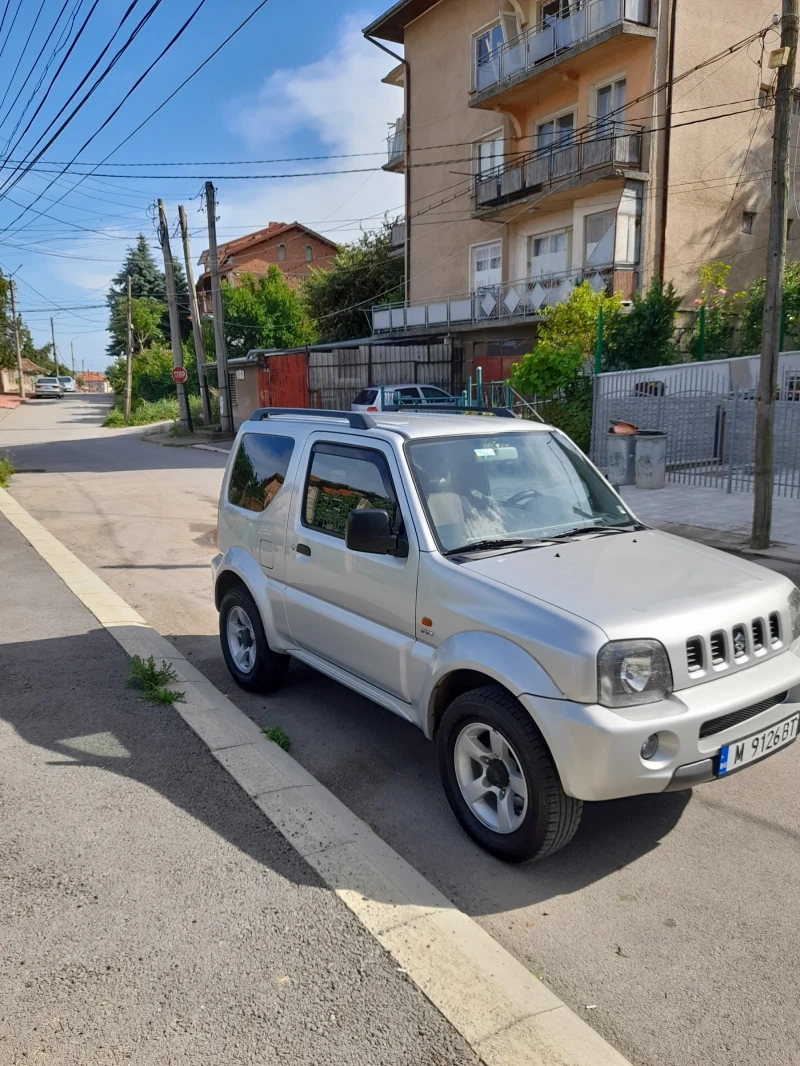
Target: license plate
x=751 y=749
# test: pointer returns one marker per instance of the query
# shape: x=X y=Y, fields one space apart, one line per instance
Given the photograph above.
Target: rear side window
x=366 y=396
x=342 y=479
x=259 y=470
x=430 y=392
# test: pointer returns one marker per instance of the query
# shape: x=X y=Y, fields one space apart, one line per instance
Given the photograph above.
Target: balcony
x=555 y=39
x=396 y=144
x=613 y=150
x=509 y=303
x=397 y=240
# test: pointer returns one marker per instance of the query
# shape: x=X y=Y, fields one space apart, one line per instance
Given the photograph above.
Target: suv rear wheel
x=252 y=663
x=500 y=778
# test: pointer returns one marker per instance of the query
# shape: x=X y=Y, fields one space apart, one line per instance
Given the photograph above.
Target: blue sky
x=299 y=80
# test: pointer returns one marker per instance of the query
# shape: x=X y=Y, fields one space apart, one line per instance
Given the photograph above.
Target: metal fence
x=708 y=413
x=336 y=377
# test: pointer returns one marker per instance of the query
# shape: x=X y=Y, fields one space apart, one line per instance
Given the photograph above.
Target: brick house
x=292 y=247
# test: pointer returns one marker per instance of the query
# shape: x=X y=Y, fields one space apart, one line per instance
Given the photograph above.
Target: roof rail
x=442 y=409
x=356 y=419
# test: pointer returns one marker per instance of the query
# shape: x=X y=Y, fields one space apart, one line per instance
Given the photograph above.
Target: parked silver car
x=480 y=578
x=68 y=384
x=381 y=397
x=48 y=387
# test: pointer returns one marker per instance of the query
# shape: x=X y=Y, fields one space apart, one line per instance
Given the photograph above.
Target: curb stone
x=505 y=1013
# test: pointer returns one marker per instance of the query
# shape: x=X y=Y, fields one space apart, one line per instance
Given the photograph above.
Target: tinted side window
x=342 y=479
x=366 y=396
x=432 y=393
x=259 y=470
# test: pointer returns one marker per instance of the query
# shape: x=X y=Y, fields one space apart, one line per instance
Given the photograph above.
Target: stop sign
x=179 y=375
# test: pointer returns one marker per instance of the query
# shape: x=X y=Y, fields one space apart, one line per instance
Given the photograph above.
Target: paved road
x=149 y=912
x=672 y=916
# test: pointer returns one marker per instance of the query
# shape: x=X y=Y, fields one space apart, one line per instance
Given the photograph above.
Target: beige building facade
x=550 y=142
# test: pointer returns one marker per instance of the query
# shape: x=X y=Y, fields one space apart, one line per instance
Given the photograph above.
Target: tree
x=260 y=312
x=147 y=282
x=720 y=310
x=754 y=310
x=339 y=300
x=644 y=336
x=8 y=351
x=147 y=315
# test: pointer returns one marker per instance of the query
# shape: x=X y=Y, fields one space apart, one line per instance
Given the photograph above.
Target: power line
x=11 y=27
x=24 y=50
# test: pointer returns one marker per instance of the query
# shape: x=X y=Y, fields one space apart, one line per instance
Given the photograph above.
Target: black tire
x=269 y=668
x=552 y=817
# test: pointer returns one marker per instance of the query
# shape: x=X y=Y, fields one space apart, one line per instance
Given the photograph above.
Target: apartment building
x=539 y=151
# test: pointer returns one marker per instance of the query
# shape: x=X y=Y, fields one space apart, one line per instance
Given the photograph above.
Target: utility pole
x=72 y=353
x=174 y=318
x=225 y=409
x=16 y=339
x=199 y=352
x=128 y=351
x=786 y=59
x=55 y=353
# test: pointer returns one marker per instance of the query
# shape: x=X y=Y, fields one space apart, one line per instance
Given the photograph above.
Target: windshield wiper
x=487 y=545
x=630 y=527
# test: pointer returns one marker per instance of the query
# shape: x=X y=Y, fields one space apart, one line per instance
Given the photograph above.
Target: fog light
x=650 y=747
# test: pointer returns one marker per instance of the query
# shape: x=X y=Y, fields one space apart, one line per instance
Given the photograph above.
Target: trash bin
x=651 y=459
x=621 y=458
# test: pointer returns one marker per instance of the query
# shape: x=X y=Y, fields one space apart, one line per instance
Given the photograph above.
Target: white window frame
x=593 y=214
x=487 y=28
x=566 y=230
x=554 y=117
x=472 y=250
x=498 y=134
x=543 y=4
x=594 y=119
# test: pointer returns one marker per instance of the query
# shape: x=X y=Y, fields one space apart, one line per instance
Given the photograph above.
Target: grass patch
x=143 y=414
x=277 y=736
x=6 y=470
x=153 y=681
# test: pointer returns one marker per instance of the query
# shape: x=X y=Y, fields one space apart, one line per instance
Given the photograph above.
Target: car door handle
x=303 y=549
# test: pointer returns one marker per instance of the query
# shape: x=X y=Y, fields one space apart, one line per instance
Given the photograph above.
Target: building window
x=610 y=106
x=553 y=9
x=796 y=103
x=232 y=387
x=309 y=253
x=748 y=221
x=789 y=223
x=556 y=132
x=281 y=253
x=549 y=254
x=487 y=56
x=489 y=155
x=600 y=232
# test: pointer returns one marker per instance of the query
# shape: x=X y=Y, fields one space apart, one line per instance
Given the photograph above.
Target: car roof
x=409 y=425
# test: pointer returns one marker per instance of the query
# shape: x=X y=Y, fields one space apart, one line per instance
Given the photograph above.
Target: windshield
x=65 y=381
x=513 y=485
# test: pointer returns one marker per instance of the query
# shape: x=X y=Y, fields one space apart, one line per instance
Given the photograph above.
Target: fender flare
x=487 y=653
x=240 y=563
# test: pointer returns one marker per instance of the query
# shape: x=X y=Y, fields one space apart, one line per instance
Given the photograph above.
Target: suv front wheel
x=500 y=778
x=252 y=663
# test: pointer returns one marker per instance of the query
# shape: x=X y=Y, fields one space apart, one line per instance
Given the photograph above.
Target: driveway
x=668 y=923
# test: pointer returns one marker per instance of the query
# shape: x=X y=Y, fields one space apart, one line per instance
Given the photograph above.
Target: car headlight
x=630 y=672
x=794 y=612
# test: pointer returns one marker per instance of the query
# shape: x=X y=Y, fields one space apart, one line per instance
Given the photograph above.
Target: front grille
x=774 y=627
x=717 y=645
x=758 y=635
x=739 y=642
x=694 y=654
x=725 y=721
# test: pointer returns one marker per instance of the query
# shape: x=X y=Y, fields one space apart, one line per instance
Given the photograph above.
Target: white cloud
x=340 y=101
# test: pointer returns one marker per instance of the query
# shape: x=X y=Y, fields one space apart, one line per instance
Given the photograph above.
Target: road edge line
x=507 y=1015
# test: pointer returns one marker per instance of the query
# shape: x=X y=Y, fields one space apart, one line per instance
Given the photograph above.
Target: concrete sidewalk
x=716 y=517
x=150 y=913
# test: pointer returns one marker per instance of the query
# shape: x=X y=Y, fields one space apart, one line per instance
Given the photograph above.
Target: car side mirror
x=370 y=531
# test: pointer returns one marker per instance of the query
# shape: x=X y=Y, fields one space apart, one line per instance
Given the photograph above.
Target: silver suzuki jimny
x=479 y=577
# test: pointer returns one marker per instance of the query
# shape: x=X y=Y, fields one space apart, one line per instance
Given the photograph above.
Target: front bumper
x=597 y=750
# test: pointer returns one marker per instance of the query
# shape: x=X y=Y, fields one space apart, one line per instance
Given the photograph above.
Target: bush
x=754 y=311
x=571 y=411
x=6 y=470
x=644 y=337
x=143 y=413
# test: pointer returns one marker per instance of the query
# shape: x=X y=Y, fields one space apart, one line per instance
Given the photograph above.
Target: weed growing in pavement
x=6 y=470
x=277 y=736
x=153 y=681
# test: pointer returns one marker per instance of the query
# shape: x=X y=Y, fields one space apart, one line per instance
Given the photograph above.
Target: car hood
x=632 y=584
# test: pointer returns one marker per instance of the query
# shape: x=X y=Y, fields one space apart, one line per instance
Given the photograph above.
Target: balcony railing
x=611 y=145
x=396 y=143
x=554 y=36
x=511 y=300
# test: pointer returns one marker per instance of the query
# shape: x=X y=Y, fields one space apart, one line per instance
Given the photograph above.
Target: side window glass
x=259 y=470
x=342 y=480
